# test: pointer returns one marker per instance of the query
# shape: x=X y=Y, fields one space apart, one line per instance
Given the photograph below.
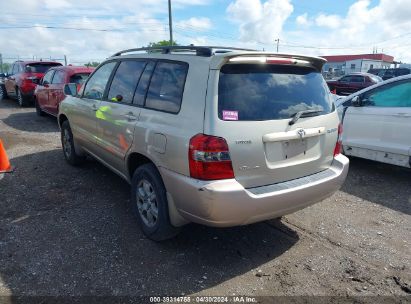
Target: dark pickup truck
x=352 y=83
x=390 y=73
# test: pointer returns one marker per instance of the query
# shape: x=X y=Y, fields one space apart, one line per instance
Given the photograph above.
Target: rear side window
x=15 y=69
x=268 y=92
x=59 y=77
x=125 y=81
x=96 y=85
x=357 y=78
x=345 y=79
x=40 y=67
x=166 y=87
x=79 y=78
x=47 y=78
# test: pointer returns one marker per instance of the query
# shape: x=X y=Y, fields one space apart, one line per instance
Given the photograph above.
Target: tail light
x=209 y=158
x=338 y=145
x=33 y=79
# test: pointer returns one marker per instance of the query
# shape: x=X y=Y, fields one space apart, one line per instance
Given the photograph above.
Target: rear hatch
x=253 y=104
x=35 y=71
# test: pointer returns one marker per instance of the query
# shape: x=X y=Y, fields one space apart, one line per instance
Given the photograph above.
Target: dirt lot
x=67 y=231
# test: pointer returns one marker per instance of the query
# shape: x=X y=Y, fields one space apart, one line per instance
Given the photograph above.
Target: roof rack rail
x=205 y=51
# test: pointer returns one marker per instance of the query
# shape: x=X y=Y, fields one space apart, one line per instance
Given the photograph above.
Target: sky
x=93 y=30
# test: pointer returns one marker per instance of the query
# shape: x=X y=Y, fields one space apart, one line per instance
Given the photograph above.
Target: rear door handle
x=130 y=116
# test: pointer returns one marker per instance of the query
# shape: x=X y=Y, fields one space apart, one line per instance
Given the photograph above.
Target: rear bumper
x=227 y=203
x=27 y=89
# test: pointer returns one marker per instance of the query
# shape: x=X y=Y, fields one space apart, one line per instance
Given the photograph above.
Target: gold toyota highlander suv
x=213 y=135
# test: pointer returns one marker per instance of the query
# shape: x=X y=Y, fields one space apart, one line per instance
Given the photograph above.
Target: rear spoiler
x=270 y=58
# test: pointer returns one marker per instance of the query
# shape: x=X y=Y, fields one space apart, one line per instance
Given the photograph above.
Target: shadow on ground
x=31 y=122
x=69 y=231
x=368 y=180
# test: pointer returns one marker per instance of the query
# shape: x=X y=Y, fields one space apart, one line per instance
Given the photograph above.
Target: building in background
x=405 y=65
x=339 y=65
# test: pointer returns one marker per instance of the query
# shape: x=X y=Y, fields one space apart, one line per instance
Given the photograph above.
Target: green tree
x=92 y=64
x=4 y=68
x=162 y=43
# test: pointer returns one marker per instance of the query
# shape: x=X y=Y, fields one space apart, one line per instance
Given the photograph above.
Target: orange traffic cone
x=5 y=166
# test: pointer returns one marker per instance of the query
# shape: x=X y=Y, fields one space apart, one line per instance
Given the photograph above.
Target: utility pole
x=65 y=60
x=1 y=63
x=170 y=22
x=278 y=43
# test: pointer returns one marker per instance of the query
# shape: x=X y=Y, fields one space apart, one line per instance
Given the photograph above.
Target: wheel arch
x=135 y=160
x=62 y=118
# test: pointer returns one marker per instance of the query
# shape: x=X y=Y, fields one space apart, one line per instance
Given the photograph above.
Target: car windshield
x=79 y=78
x=268 y=92
x=376 y=78
x=40 y=67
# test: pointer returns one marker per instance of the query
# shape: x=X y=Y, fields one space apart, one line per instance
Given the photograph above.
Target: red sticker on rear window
x=230 y=115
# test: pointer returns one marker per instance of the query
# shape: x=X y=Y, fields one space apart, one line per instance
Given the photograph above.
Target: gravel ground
x=68 y=231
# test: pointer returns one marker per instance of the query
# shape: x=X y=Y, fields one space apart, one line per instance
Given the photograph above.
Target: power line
x=75 y=28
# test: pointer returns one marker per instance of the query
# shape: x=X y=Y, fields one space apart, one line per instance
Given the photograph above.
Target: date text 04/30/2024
x=203 y=299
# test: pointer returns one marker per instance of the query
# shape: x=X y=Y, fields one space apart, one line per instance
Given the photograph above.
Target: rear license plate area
x=293 y=148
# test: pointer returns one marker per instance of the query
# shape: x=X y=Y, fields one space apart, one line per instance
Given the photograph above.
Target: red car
x=22 y=79
x=49 y=93
x=352 y=83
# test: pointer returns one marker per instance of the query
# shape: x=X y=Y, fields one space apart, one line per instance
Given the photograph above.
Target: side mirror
x=70 y=89
x=355 y=102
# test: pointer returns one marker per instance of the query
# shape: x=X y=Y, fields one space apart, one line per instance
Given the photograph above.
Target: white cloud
x=260 y=21
x=56 y=4
x=200 y=23
x=303 y=20
x=245 y=10
x=330 y=21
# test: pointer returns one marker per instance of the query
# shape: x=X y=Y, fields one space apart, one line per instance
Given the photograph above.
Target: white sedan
x=377 y=122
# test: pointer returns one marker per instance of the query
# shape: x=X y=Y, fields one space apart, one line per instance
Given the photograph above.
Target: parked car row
x=390 y=73
x=41 y=83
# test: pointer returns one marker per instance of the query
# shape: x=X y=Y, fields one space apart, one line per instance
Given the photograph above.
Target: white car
x=377 y=122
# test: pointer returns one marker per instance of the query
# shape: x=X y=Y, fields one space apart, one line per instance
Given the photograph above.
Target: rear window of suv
x=267 y=92
x=40 y=67
x=79 y=78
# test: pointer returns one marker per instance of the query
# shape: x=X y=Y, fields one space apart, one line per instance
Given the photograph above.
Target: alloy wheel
x=19 y=97
x=147 y=203
x=67 y=143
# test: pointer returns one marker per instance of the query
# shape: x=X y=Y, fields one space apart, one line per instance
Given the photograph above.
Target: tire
x=67 y=142
x=23 y=102
x=3 y=93
x=39 y=111
x=149 y=204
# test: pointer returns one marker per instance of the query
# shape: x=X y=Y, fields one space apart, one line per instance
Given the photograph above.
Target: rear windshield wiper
x=305 y=113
